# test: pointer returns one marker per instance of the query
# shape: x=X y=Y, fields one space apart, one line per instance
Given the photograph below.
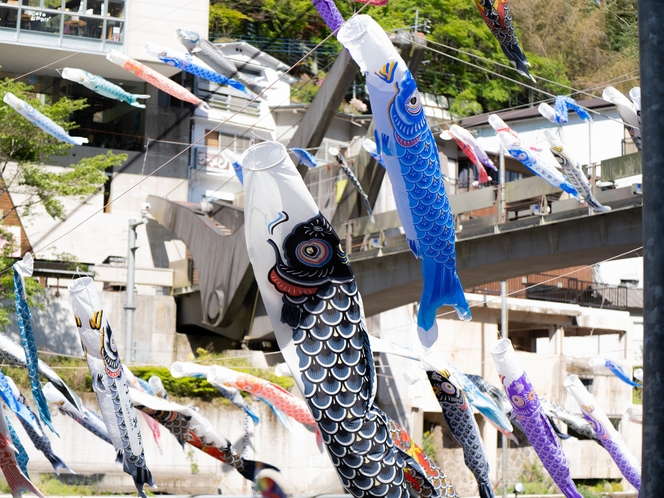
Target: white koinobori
x=108 y=380
x=610 y=438
x=311 y=298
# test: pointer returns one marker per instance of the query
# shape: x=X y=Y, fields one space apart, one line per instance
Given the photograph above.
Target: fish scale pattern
x=30 y=348
x=88 y=425
x=535 y=425
x=617 y=453
x=423 y=476
x=132 y=464
x=331 y=347
x=496 y=15
x=46 y=124
x=21 y=455
x=201 y=72
x=432 y=236
x=322 y=306
x=459 y=418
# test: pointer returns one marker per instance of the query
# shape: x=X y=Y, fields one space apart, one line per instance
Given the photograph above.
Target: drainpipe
x=504 y=334
x=130 y=306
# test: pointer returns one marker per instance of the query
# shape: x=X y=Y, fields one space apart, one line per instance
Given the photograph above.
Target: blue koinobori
x=408 y=149
x=21 y=269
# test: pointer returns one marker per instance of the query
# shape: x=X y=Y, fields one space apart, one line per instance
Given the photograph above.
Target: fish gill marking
x=387 y=72
x=78 y=321
x=282 y=217
x=95 y=321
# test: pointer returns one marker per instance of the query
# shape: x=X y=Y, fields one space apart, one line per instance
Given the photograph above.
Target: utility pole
x=501 y=188
x=130 y=306
x=651 y=51
x=504 y=335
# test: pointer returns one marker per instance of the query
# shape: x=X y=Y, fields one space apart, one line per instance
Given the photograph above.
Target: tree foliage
x=23 y=150
x=569 y=42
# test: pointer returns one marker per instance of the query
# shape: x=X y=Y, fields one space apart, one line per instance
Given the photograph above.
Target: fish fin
x=290 y=314
x=119 y=457
x=18 y=482
x=557 y=430
x=319 y=440
x=485 y=490
x=281 y=416
x=136 y=104
x=57 y=463
x=385 y=145
x=141 y=96
x=441 y=287
x=67 y=392
x=414 y=248
x=237 y=85
x=254 y=417
x=140 y=474
x=250 y=468
x=569 y=188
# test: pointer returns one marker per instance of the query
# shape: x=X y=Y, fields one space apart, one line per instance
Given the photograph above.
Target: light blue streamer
x=30 y=348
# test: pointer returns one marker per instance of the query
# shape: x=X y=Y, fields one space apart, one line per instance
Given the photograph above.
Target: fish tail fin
x=18 y=482
x=141 y=96
x=137 y=104
x=42 y=408
x=250 y=468
x=57 y=463
x=485 y=490
x=119 y=457
x=319 y=440
x=139 y=473
x=237 y=85
x=66 y=391
x=256 y=419
x=569 y=188
x=80 y=140
x=441 y=287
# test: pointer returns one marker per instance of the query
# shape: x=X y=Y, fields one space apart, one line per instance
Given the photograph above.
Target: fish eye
x=413 y=105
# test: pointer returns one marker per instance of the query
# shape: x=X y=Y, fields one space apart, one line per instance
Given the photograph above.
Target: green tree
x=24 y=149
x=456 y=24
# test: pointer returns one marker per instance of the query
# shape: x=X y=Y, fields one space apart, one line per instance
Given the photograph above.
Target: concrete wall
x=304 y=470
x=154 y=326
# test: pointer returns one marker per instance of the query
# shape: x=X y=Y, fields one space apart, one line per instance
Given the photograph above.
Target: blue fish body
x=28 y=338
x=406 y=144
x=41 y=121
x=305 y=157
x=21 y=455
x=564 y=104
x=528 y=159
x=620 y=373
x=202 y=72
x=102 y=86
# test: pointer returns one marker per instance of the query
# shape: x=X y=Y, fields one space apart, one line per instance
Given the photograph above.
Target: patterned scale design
x=496 y=15
x=201 y=72
x=459 y=418
x=30 y=348
x=424 y=477
x=529 y=412
x=323 y=307
x=88 y=425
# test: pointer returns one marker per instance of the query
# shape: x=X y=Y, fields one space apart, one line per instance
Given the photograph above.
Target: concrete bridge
x=388 y=275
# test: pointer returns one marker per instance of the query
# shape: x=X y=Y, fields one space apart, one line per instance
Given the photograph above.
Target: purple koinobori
x=528 y=411
x=610 y=438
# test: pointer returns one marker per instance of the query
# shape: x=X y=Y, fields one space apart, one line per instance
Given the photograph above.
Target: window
x=588 y=383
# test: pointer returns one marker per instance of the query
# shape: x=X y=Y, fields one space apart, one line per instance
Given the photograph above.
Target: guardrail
x=476 y=212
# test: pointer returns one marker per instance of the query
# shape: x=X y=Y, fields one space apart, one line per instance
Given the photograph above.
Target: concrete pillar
x=556 y=336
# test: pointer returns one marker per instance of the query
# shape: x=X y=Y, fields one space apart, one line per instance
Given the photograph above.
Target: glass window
x=8 y=16
x=43 y=21
x=87 y=27
x=114 y=31
x=95 y=7
x=116 y=8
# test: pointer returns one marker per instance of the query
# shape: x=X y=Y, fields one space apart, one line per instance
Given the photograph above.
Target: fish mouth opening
x=80 y=284
x=351 y=30
x=262 y=156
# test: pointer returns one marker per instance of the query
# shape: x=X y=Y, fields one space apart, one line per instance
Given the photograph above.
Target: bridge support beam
x=651 y=44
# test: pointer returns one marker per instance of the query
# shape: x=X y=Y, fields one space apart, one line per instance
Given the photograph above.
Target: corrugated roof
x=528 y=113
